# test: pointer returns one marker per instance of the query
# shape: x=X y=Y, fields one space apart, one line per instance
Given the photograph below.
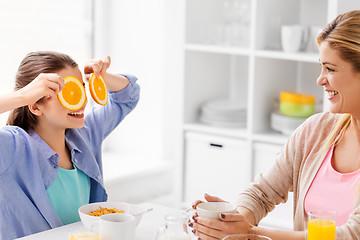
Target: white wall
x=132 y=33
x=174 y=34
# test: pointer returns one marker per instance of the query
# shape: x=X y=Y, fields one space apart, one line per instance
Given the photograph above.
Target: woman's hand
x=211 y=229
x=44 y=85
x=97 y=66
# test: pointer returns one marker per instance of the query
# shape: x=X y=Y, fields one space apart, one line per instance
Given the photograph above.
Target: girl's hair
x=30 y=67
x=343 y=35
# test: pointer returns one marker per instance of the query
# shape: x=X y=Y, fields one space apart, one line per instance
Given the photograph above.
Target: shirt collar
x=46 y=150
x=71 y=145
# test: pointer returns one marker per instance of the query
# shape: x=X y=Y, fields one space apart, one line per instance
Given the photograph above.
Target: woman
x=50 y=157
x=320 y=162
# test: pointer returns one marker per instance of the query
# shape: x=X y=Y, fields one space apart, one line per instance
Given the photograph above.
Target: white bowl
x=128 y=208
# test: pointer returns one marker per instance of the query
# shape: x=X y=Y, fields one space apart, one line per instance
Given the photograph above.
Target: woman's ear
x=34 y=109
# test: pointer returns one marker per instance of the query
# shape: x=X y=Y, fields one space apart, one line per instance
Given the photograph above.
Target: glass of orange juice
x=321 y=225
x=82 y=234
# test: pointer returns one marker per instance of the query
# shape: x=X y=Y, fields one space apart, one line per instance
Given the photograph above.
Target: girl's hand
x=44 y=85
x=97 y=66
x=213 y=229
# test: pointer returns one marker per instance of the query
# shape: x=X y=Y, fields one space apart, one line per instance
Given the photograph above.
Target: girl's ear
x=34 y=109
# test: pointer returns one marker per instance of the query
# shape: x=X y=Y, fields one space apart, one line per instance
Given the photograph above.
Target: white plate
x=284 y=124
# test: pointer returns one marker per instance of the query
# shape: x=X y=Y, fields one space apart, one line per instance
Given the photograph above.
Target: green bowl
x=297 y=110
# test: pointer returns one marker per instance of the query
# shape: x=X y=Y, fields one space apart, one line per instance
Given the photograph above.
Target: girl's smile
x=77 y=114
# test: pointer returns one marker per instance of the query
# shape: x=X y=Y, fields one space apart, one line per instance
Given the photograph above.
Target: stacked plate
x=224 y=113
x=285 y=125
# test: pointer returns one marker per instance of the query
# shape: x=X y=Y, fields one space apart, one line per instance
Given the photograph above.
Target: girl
x=50 y=157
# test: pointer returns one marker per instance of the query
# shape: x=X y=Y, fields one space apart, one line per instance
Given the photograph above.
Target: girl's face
x=55 y=115
x=340 y=81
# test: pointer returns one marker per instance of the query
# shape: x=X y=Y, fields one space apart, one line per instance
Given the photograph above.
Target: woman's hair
x=343 y=35
x=30 y=67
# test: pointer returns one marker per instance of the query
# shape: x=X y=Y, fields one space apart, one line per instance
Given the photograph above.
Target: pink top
x=332 y=190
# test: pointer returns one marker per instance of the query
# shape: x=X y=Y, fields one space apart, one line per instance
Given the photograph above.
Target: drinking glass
x=246 y=237
x=175 y=227
x=82 y=234
x=321 y=225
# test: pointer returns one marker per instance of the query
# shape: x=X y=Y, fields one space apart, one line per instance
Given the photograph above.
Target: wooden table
x=146 y=230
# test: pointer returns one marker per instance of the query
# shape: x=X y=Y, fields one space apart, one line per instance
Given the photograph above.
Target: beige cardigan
x=294 y=170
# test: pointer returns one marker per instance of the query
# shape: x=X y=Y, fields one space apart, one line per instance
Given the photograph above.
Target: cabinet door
x=281 y=216
x=215 y=165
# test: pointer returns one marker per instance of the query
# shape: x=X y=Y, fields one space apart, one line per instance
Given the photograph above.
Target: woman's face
x=340 y=81
x=55 y=115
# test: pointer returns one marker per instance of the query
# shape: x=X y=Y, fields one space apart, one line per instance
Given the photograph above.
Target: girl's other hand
x=97 y=66
x=44 y=85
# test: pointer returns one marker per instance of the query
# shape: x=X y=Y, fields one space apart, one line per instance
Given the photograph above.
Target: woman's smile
x=331 y=94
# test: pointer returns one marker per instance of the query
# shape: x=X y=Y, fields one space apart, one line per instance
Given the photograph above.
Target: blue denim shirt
x=28 y=165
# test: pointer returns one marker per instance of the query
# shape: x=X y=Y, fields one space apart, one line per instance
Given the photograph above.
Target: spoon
x=145 y=211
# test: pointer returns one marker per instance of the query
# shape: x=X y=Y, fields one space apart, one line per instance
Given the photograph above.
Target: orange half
x=98 y=89
x=72 y=96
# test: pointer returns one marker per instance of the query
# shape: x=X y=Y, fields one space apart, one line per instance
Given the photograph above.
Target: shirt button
x=55 y=166
x=75 y=160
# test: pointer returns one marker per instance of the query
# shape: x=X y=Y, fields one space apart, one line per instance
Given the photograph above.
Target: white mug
x=213 y=209
x=115 y=226
x=291 y=37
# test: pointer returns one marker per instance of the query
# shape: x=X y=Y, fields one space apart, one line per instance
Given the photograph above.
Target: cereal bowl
x=89 y=221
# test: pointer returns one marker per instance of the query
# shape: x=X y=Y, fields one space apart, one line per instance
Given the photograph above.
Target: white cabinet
x=215 y=165
x=264 y=155
x=249 y=67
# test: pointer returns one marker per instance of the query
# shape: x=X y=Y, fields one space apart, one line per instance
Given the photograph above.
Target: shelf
x=218 y=49
x=270 y=137
x=301 y=56
x=226 y=132
x=265 y=137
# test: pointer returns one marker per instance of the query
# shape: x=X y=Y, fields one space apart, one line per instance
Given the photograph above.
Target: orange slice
x=72 y=96
x=98 y=89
